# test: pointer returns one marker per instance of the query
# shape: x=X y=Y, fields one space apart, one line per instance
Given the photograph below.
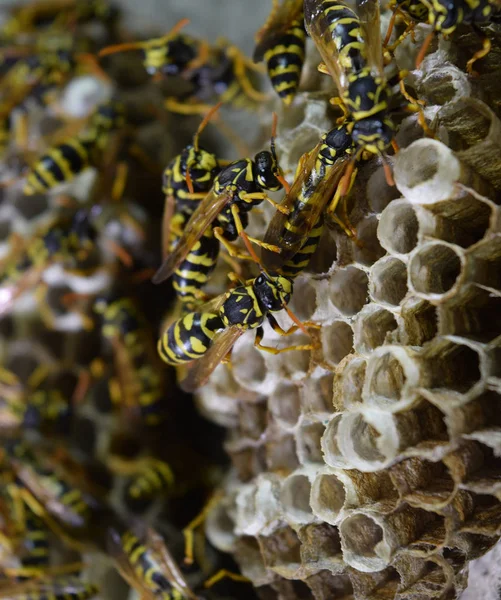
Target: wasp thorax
x=374 y=135
x=266 y=168
x=273 y=292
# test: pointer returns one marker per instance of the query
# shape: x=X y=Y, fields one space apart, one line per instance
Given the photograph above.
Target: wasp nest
x=369 y=468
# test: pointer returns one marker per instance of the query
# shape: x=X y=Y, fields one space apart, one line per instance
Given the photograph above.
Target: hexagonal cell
x=348 y=384
x=378 y=192
x=419 y=322
x=367 y=248
x=330 y=447
x=348 y=290
x=371 y=326
x=281 y=551
x=280 y=447
x=304 y=299
x=316 y=393
x=337 y=341
x=326 y=586
x=423 y=483
x=388 y=281
x=453 y=364
x=398 y=227
x=308 y=440
x=284 y=404
x=473 y=133
x=248 y=365
x=445 y=84
x=321 y=547
x=295 y=497
x=426 y=172
x=435 y=269
x=393 y=374
x=252 y=418
x=328 y=496
x=31 y=207
x=248 y=556
x=248 y=459
x=361 y=535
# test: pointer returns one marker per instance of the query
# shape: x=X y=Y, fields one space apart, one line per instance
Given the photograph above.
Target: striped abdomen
x=145 y=566
x=285 y=61
x=189 y=338
x=151 y=483
x=345 y=30
x=36 y=543
x=195 y=270
x=298 y=263
x=60 y=165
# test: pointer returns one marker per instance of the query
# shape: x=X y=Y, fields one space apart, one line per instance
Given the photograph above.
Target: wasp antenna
x=204 y=123
x=395 y=145
x=279 y=175
x=176 y=29
x=120 y=48
x=296 y=320
x=426 y=44
x=250 y=249
x=387 y=170
x=189 y=181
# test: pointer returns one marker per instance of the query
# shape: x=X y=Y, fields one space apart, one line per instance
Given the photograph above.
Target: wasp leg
x=247 y=239
x=276 y=327
x=486 y=48
x=263 y=196
x=223 y=574
x=236 y=268
x=343 y=189
x=201 y=59
x=70 y=568
x=186 y=108
x=240 y=63
x=415 y=105
x=337 y=101
x=189 y=530
x=230 y=248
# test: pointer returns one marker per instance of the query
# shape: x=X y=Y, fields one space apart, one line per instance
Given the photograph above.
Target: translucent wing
x=203 y=368
x=276 y=25
x=124 y=566
x=318 y=190
x=206 y=212
x=169 y=566
x=169 y=208
x=44 y=589
x=319 y=31
x=368 y=12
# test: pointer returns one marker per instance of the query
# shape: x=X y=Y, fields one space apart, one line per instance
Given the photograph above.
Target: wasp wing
x=206 y=212
x=169 y=566
x=203 y=367
x=122 y=562
x=317 y=189
x=368 y=13
x=71 y=586
x=318 y=29
x=276 y=25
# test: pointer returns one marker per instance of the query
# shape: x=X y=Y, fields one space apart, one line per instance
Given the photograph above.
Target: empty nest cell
x=337 y=341
x=419 y=321
x=371 y=328
x=295 y=497
x=435 y=269
x=348 y=384
x=284 y=404
x=398 y=227
x=388 y=282
x=348 y=290
x=308 y=440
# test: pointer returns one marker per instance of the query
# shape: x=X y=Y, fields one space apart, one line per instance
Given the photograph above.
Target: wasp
x=62 y=162
x=218 y=72
x=207 y=335
x=56 y=588
x=238 y=187
x=68 y=241
x=281 y=44
x=349 y=43
x=317 y=183
x=444 y=17
x=148 y=566
x=139 y=384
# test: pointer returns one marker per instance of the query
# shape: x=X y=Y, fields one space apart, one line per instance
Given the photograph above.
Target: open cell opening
x=453 y=366
x=329 y=442
x=304 y=300
x=367 y=250
x=420 y=171
x=423 y=483
x=364 y=439
x=295 y=497
x=480 y=316
x=420 y=322
x=285 y=404
x=398 y=227
x=361 y=534
x=281 y=548
x=348 y=290
x=328 y=497
x=249 y=366
x=348 y=391
x=434 y=269
x=281 y=453
x=337 y=341
x=320 y=543
x=389 y=281
x=387 y=377
x=468 y=125
x=316 y=394
x=309 y=442
x=31 y=207
x=438 y=89
x=371 y=330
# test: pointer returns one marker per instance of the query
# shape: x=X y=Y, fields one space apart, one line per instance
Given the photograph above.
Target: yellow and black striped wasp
x=148 y=566
x=317 y=185
x=444 y=18
x=61 y=163
x=237 y=188
x=281 y=44
x=207 y=335
x=219 y=72
x=53 y=588
x=69 y=241
x=149 y=478
x=139 y=384
x=348 y=40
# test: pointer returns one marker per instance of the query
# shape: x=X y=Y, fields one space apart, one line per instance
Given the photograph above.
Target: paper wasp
x=281 y=44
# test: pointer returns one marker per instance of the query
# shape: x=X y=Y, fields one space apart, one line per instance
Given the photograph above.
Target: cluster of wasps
x=46 y=493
